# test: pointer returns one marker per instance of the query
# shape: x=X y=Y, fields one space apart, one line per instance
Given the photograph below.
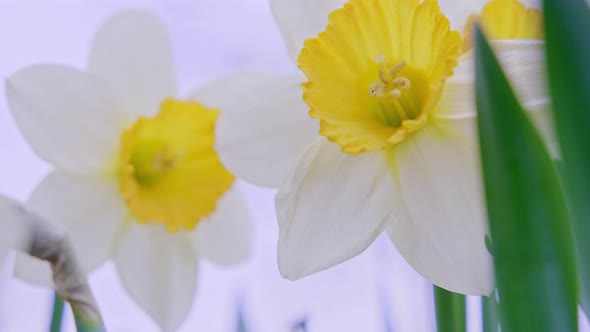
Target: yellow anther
x=163 y=163
x=377 y=89
x=389 y=84
x=395 y=93
x=402 y=82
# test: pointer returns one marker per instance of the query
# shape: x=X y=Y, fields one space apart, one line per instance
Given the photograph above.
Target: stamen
x=400 y=110
x=377 y=89
x=402 y=82
x=390 y=85
x=163 y=161
x=162 y=164
x=397 y=68
x=383 y=75
x=395 y=93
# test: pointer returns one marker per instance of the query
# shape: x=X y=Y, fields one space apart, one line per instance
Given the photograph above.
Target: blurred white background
x=374 y=292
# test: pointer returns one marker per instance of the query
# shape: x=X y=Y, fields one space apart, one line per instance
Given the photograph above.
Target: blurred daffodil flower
x=136 y=178
x=13 y=234
x=378 y=135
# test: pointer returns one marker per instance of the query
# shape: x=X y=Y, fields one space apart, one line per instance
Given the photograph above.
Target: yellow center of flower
x=170 y=172
x=505 y=19
x=377 y=71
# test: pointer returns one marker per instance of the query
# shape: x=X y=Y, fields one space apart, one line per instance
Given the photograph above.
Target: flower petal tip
x=289 y=275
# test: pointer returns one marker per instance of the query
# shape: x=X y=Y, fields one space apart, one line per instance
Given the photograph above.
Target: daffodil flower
x=13 y=232
x=380 y=136
x=136 y=178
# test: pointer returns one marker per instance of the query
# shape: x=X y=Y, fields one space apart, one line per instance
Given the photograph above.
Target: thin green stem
x=489 y=311
x=57 y=315
x=450 y=311
x=84 y=324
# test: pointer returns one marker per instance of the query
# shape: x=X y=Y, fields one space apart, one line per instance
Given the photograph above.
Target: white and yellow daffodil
x=380 y=137
x=137 y=178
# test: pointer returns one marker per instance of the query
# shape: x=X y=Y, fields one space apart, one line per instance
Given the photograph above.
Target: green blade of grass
x=529 y=224
x=567 y=24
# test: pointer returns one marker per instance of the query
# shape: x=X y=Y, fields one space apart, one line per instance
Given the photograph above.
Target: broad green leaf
x=450 y=311
x=530 y=228
x=567 y=24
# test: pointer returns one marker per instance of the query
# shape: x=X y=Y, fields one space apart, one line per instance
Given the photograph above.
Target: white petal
x=524 y=63
x=159 y=270
x=70 y=118
x=457 y=11
x=301 y=19
x=33 y=270
x=13 y=234
x=132 y=51
x=330 y=208
x=263 y=126
x=522 y=60
x=89 y=208
x=225 y=237
x=442 y=231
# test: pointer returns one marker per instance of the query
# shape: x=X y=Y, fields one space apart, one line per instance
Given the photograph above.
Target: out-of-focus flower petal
x=524 y=63
x=263 y=124
x=33 y=270
x=331 y=207
x=458 y=11
x=70 y=118
x=91 y=211
x=132 y=51
x=13 y=228
x=159 y=271
x=225 y=237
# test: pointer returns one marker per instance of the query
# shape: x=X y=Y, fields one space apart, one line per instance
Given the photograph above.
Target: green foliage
x=568 y=59
x=529 y=224
x=450 y=311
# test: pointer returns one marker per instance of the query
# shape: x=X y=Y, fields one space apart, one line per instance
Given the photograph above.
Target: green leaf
x=530 y=228
x=450 y=311
x=567 y=24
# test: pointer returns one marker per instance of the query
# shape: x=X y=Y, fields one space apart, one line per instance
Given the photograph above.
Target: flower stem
x=489 y=311
x=49 y=242
x=57 y=315
x=450 y=311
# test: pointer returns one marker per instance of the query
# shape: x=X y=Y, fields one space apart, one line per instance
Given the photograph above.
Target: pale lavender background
x=210 y=38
